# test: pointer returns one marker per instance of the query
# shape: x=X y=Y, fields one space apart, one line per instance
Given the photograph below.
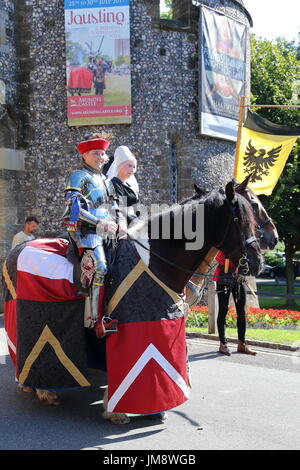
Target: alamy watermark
x=160 y=221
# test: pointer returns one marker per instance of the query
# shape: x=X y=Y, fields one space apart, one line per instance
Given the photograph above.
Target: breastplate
x=91 y=185
x=94 y=190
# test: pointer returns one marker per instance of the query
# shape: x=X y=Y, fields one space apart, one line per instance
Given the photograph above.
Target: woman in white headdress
x=121 y=173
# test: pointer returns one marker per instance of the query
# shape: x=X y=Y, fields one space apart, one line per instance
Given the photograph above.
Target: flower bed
x=256 y=317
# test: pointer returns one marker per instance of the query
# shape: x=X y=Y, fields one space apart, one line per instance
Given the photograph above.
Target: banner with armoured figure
x=98 y=62
x=222 y=73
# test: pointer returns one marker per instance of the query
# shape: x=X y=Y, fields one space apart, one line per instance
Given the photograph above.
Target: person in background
x=226 y=284
x=30 y=227
x=121 y=173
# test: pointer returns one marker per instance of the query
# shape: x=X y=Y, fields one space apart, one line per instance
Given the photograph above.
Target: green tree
x=122 y=59
x=75 y=52
x=166 y=9
x=275 y=75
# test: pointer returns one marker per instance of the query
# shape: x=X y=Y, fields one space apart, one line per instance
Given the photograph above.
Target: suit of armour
x=90 y=199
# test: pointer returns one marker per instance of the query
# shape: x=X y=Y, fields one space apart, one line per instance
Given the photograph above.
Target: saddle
x=83 y=272
x=74 y=258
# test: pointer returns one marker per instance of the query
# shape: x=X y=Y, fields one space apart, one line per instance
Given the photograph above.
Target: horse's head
x=266 y=231
x=232 y=230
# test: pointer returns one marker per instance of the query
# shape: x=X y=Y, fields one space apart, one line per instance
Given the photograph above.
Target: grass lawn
x=270 y=335
x=277 y=303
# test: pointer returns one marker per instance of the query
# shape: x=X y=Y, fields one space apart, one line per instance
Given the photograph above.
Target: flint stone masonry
x=11 y=154
x=164 y=99
x=33 y=120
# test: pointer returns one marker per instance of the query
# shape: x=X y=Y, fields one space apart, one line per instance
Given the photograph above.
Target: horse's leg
x=115 y=418
x=49 y=396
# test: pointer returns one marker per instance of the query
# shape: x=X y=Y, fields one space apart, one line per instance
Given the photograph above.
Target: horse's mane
x=215 y=199
x=212 y=200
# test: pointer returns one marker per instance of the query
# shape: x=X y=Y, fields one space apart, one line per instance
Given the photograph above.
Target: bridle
x=254 y=201
x=243 y=260
x=242 y=268
x=259 y=228
x=244 y=241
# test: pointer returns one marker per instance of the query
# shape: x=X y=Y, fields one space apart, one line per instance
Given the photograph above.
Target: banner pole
x=239 y=134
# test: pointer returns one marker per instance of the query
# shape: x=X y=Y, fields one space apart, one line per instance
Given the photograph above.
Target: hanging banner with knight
x=98 y=62
x=222 y=60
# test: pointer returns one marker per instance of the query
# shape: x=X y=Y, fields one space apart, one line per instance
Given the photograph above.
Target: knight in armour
x=91 y=215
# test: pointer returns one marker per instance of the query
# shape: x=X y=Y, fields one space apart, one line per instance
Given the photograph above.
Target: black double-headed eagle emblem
x=259 y=162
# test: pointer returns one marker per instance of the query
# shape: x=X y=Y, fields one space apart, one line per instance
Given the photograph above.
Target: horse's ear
x=230 y=192
x=198 y=190
x=244 y=184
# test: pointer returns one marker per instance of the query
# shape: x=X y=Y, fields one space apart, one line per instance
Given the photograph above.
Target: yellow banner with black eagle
x=263 y=151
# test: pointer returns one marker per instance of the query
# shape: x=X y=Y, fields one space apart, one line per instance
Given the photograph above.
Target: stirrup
x=105 y=327
x=109 y=325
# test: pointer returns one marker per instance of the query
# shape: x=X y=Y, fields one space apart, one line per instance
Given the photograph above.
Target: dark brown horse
x=265 y=231
x=158 y=258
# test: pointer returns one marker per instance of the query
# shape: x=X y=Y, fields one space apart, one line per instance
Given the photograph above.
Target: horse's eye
x=254 y=205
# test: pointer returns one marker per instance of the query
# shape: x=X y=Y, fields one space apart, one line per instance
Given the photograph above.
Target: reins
x=218 y=246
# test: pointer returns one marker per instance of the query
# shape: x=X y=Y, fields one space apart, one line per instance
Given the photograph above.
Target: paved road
x=237 y=402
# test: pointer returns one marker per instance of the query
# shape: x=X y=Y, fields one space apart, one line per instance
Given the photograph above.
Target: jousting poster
x=98 y=62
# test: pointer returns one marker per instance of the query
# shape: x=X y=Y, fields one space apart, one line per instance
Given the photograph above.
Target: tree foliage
x=275 y=78
x=166 y=9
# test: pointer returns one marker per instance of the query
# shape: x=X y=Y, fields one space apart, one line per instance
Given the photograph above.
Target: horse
x=147 y=356
x=266 y=231
x=266 y=234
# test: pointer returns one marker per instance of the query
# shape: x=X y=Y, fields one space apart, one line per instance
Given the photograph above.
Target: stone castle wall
x=164 y=134
x=11 y=157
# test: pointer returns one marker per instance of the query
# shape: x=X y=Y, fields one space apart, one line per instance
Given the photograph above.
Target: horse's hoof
x=116 y=418
x=25 y=389
x=124 y=419
x=48 y=396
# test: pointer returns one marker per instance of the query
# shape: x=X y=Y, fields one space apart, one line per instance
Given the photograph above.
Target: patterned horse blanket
x=44 y=323
x=150 y=347
x=43 y=316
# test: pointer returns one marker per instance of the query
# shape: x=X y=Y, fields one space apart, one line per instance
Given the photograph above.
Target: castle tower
x=37 y=147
